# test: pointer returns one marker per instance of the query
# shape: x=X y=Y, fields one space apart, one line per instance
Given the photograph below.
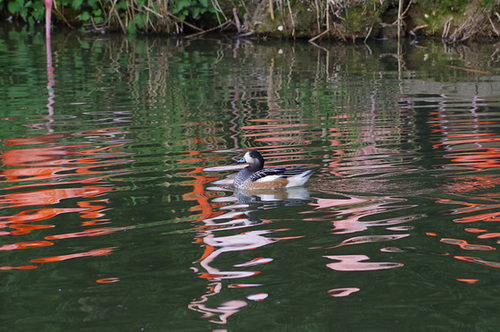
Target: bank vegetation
x=348 y=20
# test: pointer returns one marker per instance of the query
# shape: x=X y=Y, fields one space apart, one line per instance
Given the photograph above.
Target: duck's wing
x=274 y=173
x=267 y=172
x=293 y=171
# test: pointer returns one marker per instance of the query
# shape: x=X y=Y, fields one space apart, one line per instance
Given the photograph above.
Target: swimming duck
x=254 y=176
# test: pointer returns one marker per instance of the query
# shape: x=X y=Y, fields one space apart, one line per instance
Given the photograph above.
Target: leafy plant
x=189 y=8
x=130 y=15
x=29 y=11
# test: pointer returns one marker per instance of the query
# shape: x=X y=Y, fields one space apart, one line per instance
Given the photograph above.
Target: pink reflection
x=255 y=261
x=370 y=239
x=224 y=244
x=222 y=312
x=243 y=285
x=355 y=263
x=218 y=247
x=50 y=68
x=348 y=214
x=343 y=292
x=258 y=297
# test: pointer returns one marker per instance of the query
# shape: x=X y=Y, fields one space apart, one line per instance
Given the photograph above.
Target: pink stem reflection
x=50 y=69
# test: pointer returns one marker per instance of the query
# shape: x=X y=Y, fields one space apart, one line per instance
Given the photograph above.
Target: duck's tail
x=298 y=177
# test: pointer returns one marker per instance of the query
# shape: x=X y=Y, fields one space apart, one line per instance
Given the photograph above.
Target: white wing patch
x=268 y=178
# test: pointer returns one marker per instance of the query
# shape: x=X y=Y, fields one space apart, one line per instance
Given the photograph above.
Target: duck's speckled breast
x=241 y=177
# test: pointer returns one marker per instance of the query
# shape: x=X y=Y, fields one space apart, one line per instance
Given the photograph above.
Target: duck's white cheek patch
x=268 y=178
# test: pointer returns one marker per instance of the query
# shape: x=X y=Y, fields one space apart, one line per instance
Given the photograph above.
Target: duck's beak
x=242 y=160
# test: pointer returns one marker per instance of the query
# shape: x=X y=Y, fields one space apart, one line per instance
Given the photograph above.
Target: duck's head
x=253 y=159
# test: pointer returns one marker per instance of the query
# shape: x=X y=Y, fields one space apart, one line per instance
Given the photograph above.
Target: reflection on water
x=41 y=173
x=241 y=214
x=115 y=187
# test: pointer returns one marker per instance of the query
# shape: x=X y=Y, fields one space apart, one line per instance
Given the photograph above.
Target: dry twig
x=317 y=36
x=220 y=26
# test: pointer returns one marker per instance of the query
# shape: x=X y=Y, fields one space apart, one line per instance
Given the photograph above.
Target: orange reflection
x=49 y=196
x=464 y=139
x=42 y=163
x=107 y=280
x=479 y=211
x=479 y=261
x=89 y=232
x=473 y=208
x=91 y=253
x=199 y=194
x=42 y=173
x=27 y=267
x=489 y=236
x=467 y=140
x=26 y=245
x=25 y=229
x=466 y=184
x=475 y=230
x=468 y=281
x=465 y=245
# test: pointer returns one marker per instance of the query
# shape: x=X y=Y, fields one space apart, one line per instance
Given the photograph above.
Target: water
x=116 y=212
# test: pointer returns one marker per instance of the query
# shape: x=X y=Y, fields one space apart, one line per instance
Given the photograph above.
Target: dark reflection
x=288 y=197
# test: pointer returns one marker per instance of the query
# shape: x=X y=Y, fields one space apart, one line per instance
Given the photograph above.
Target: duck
x=255 y=176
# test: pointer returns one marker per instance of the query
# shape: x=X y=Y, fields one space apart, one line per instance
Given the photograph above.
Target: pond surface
x=116 y=213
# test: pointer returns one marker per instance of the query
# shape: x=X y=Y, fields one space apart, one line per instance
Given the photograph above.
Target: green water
x=115 y=209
